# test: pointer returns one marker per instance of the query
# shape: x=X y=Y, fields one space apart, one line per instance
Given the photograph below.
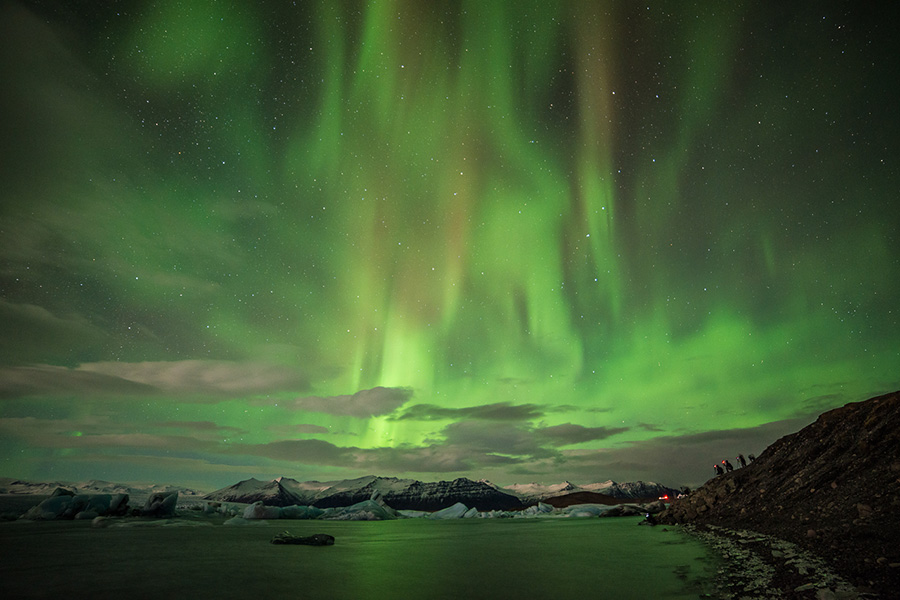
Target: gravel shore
x=763 y=567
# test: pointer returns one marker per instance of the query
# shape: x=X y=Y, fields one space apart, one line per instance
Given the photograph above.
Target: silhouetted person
x=742 y=460
x=648 y=520
x=718 y=469
x=728 y=466
x=751 y=457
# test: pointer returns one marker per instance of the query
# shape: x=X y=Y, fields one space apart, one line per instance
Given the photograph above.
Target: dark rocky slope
x=564 y=500
x=832 y=488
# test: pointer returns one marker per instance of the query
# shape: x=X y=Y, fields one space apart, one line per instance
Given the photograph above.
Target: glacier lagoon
x=413 y=558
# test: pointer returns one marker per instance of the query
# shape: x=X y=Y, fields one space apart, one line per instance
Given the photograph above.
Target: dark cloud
x=213 y=377
x=301 y=429
x=46 y=380
x=183 y=378
x=201 y=426
x=500 y=411
x=434 y=458
x=672 y=459
x=364 y=403
x=33 y=334
x=429 y=459
x=495 y=438
x=76 y=435
x=650 y=427
x=310 y=452
x=570 y=433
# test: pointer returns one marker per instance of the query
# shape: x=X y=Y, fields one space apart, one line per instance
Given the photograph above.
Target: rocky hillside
x=833 y=487
x=574 y=498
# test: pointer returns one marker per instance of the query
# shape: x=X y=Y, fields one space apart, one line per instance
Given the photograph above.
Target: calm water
x=521 y=559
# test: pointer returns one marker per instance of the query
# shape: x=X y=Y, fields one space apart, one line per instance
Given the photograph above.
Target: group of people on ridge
x=729 y=468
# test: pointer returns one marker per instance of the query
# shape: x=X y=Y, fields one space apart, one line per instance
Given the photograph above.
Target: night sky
x=521 y=241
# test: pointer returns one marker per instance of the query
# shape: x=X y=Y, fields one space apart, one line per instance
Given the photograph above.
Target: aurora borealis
x=522 y=241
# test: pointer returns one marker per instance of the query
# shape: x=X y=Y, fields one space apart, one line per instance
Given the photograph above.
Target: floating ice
x=65 y=505
x=586 y=510
x=538 y=509
x=301 y=512
x=160 y=504
x=457 y=511
x=367 y=510
x=258 y=510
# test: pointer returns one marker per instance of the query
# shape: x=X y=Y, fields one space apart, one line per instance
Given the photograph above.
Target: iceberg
x=258 y=510
x=580 y=511
x=301 y=512
x=457 y=511
x=222 y=508
x=367 y=510
x=160 y=504
x=64 y=504
x=538 y=509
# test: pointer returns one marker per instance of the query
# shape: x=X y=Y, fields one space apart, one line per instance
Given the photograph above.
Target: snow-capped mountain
x=632 y=490
x=8 y=485
x=93 y=486
x=539 y=491
x=271 y=493
x=400 y=494
x=635 y=490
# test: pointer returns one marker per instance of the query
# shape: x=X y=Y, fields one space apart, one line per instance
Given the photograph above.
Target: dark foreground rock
x=832 y=489
x=317 y=539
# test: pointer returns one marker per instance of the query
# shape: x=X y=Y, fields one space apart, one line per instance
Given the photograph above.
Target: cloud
x=301 y=429
x=434 y=458
x=47 y=380
x=206 y=376
x=186 y=377
x=650 y=427
x=487 y=438
x=76 y=435
x=462 y=447
x=31 y=333
x=570 y=433
x=500 y=411
x=364 y=403
x=200 y=426
x=311 y=452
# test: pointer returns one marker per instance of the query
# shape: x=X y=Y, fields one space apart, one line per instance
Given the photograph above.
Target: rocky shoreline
x=832 y=489
x=763 y=567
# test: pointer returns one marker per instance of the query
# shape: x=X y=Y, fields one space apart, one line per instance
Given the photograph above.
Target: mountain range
x=10 y=485
x=400 y=494
x=412 y=494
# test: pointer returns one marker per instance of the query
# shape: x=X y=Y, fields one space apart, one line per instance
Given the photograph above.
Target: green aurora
x=526 y=241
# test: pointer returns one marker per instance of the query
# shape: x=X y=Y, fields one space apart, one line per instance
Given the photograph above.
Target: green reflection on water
x=514 y=558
